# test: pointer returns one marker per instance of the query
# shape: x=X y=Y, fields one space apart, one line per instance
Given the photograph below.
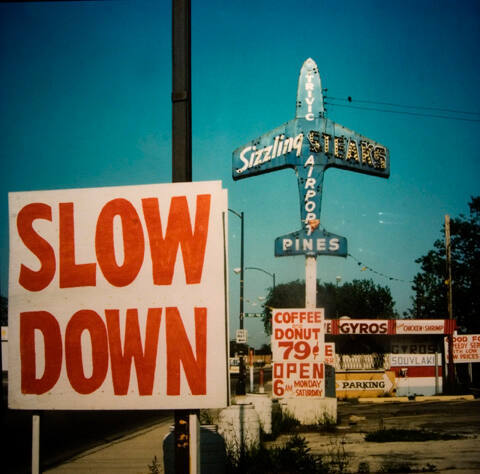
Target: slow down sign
x=116 y=298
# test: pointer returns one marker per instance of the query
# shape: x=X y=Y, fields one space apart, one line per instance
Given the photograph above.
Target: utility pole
x=185 y=420
x=448 y=253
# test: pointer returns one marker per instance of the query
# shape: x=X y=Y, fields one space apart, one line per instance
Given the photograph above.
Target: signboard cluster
x=117 y=298
x=390 y=326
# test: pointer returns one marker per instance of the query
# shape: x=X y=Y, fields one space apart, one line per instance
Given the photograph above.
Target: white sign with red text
x=418 y=326
x=466 y=348
x=298 y=352
x=330 y=353
x=117 y=298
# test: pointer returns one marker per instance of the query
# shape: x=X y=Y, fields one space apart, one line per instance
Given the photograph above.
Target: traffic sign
x=242 y=336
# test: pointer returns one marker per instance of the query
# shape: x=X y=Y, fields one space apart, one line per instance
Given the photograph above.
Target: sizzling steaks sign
x=310 y=144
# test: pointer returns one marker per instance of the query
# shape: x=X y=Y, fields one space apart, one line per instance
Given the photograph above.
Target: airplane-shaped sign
x=310 y=143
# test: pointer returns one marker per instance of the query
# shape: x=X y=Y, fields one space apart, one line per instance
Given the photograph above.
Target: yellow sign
x=364 y=384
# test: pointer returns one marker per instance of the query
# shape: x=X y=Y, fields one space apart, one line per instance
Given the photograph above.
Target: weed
x=291 y=458
x=206 y=417
x=288 y=422
x=364 y=468
x=337 y=458
x=154 y=468
x=393 y=434
x=395 y=467
x=282 y=422
x=326 y=423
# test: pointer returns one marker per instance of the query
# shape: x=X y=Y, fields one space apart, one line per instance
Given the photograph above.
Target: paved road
x=130 y=454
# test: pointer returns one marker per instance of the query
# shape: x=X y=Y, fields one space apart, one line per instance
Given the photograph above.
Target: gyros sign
x=116 y=298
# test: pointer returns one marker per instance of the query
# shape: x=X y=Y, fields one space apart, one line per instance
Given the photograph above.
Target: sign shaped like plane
x=310 y=143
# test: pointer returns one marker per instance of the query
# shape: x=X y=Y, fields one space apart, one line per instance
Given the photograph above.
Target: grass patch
x=396 y=467
x=282 y=422
x=291 y=458
x=393 y=434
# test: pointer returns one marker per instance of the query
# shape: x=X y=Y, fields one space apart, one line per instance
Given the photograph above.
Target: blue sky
x=85 y=101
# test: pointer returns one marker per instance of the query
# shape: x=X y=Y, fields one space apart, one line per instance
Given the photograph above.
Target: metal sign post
x=182 y=172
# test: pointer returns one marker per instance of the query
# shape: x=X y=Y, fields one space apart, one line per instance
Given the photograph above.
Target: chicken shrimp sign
x=117 y=298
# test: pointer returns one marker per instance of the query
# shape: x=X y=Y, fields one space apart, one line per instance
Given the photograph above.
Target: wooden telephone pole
x=448 y=253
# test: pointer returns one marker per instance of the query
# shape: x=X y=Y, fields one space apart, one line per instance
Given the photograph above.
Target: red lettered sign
x=466 y=348
x=298 y=352
x=116 y=298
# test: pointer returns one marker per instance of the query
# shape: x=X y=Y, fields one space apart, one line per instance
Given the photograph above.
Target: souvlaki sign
x=117 y=298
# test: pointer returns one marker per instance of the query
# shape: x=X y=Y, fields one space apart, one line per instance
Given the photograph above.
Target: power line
x=391 y=104
x=402 y=112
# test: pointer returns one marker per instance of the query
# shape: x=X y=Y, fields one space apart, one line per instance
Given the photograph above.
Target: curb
x=420 y=398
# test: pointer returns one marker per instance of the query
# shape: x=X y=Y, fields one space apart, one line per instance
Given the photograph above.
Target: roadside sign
x=466 y=348
x=116 y=298
x=310 y=143
x=364 y=384
x=298 y=353
x=242 y=336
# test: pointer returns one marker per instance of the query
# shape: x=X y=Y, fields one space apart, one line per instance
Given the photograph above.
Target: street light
x=264 y=271
x=240 y=388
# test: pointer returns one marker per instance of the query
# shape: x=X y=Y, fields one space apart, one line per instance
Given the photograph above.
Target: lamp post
x=240 y=388
x=264 y=271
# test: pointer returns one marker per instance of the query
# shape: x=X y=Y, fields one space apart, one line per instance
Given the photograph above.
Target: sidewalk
x=131 y=454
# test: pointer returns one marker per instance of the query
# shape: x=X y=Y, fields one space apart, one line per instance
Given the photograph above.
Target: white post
x=250 y=361
x=194 y=427
x=36 y=444
x=310 y=282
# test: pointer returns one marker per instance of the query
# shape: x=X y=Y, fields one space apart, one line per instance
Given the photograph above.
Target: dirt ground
x=347 y=443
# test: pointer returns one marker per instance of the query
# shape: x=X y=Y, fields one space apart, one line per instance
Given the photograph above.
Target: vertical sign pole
x=195 y=460
x=181 y=94
x=250 y=360
x=240 y=389
x=451 y=367
x=182 y=171
x=36 y=444
x=311 y=282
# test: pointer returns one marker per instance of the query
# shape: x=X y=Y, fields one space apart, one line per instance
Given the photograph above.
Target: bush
x=291 y=458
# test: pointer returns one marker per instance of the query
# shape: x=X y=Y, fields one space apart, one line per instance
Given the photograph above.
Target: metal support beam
x=181 y=93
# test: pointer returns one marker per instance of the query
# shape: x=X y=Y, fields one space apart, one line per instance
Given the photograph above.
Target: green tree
x=429 y=285
x=357 y=299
